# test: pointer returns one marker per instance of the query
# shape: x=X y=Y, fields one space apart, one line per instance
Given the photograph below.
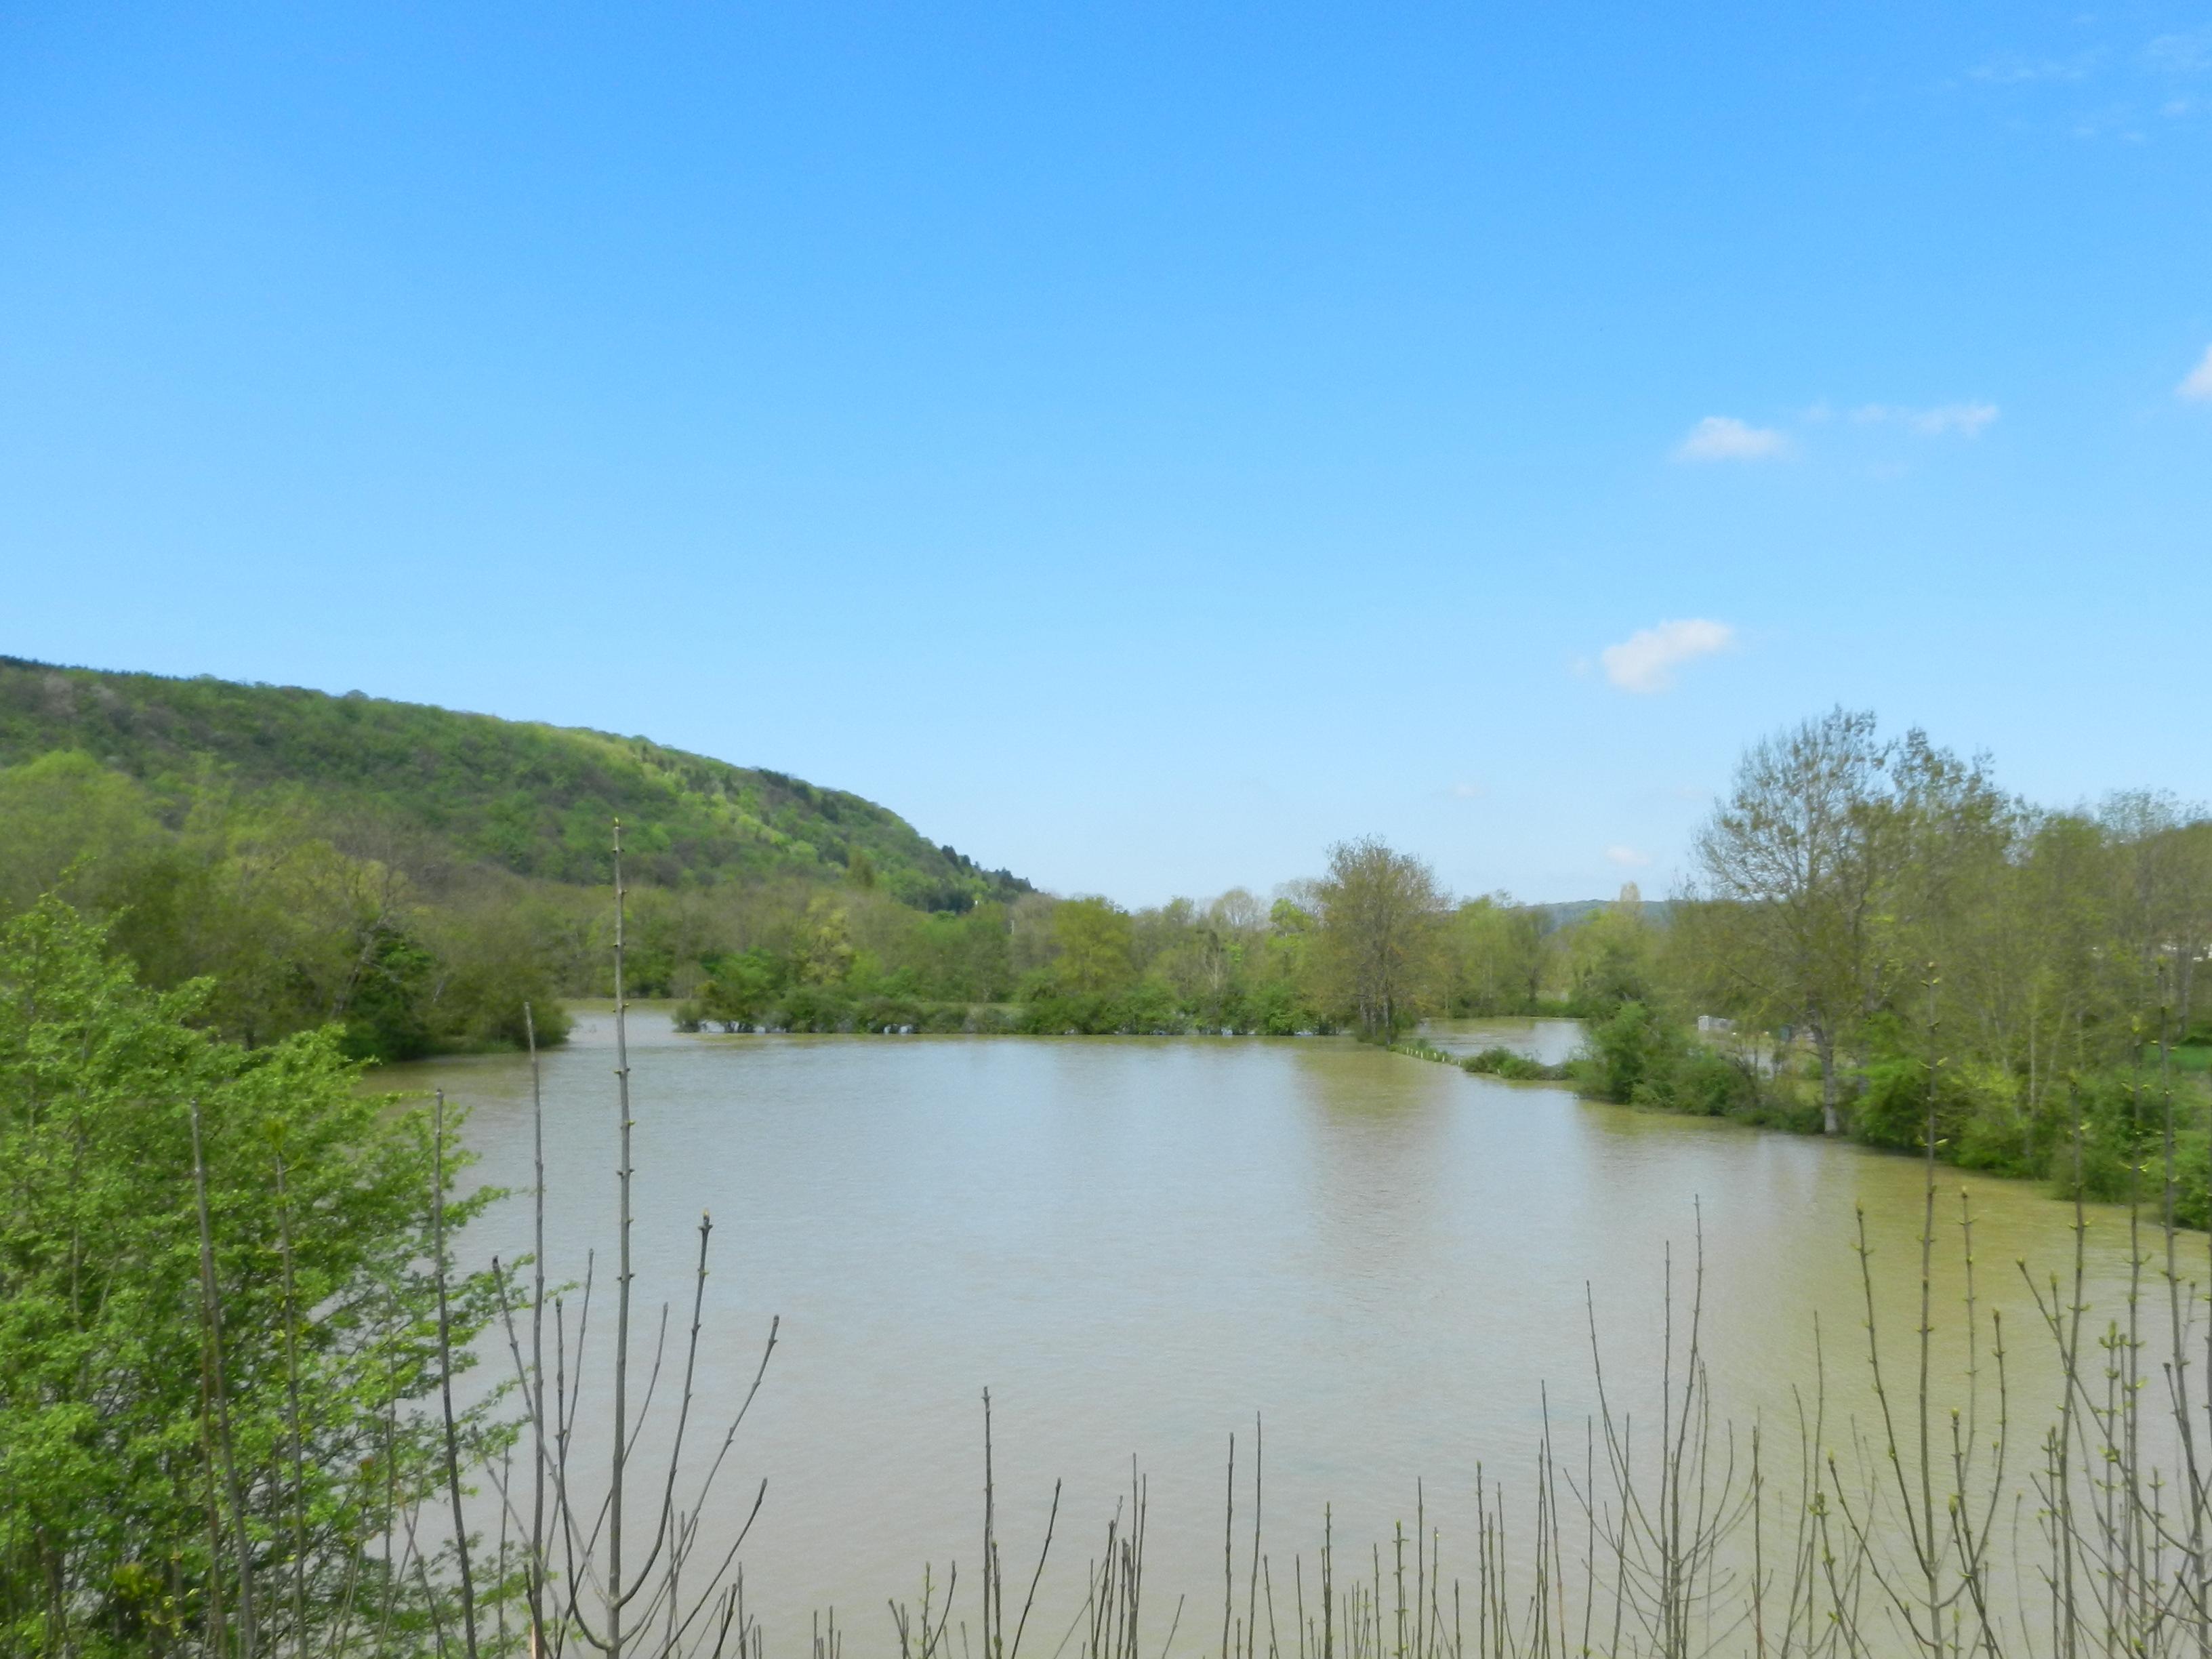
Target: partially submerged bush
x=1502 y=1062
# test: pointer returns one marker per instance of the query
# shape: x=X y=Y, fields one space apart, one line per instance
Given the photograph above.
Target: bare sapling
x=602 y=1567
x=452 y=1438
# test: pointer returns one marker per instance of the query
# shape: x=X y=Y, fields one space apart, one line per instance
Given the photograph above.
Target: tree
x=1381 y=934
x=825 y=949
x=1094 y=936
x=2162 y=892
x=217 y=1305
x=1609 y=957
x=1801 y=851
x=1497 y=951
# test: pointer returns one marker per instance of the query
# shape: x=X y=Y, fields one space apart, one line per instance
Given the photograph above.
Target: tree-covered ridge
x=531 y=798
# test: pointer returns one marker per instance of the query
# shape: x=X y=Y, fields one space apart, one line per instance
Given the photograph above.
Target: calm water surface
x=1139 y=1244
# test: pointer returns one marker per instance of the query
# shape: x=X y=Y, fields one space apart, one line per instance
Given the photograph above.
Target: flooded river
x=1140 y=1246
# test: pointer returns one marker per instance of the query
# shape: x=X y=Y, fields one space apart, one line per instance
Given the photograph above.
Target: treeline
x=1371 y=946
x=297 y=917
x=409 y=874
x=303 y=914
x=1869 y=913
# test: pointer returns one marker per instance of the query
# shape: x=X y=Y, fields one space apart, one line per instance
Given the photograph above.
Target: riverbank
x=2104 y=1137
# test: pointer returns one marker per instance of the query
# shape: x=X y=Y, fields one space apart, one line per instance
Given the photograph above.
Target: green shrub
x=1709 y=1085
x=1513 y=1068
x=1630 y=1050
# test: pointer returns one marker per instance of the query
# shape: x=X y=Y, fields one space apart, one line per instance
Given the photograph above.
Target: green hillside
x=532 y=799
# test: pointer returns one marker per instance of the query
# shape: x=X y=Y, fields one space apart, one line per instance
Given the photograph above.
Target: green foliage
x=317 y=1197
x=2101 y=1132
x=1631 y=1051
x=533 y=800
x=1094 y=937
x=860 y=963
x=1609 y=957
x=415 y=875
x=384 y=1013
x=294 y=931
x=1380 y=955
x=1979 y=1121
x=1513 y=1068
x=1496 y=957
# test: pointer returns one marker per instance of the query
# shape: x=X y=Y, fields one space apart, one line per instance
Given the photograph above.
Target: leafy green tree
x=382 y=1009
x=1496 y=952
x=1611 y=956
x=1094 y=936
x=825 y=949
x=1803 y=850
x=204 y=1425
x=67 y=823
x=1380 y=935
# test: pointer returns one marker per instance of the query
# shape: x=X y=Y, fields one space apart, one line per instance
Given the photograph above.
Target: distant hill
x=1569 y=912
x=534 y=799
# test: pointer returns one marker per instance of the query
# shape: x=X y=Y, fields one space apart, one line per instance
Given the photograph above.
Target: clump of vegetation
x=1513 y=1068
x=293 y=921
x=226 y=1305
x=1864 y=907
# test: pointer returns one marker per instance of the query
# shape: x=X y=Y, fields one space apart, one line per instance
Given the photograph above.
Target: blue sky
x=1140 y=444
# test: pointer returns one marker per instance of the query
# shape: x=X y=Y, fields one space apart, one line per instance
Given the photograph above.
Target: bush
x=1273 y=1010
x=815 y=1008
x=1708 y=1084
x=117 y=1113
x=1513 y=1068
x=1630 y=1050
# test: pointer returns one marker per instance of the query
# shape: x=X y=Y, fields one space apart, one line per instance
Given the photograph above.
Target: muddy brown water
x=1140 y=1246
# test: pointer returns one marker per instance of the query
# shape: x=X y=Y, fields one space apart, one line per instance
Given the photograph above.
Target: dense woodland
x=409 y=874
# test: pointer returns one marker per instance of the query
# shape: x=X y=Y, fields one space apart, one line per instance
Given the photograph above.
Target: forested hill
x=534 y=799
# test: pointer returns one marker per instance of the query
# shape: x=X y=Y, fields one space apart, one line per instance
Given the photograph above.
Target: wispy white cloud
x=2197 y=386
x=1465 y=791
x=2014 y=69
x=2117 y=91
x=1966 y=419
x=1645 y=661
x=1724 y=438
x=1628 y=857
x=2187 y=53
